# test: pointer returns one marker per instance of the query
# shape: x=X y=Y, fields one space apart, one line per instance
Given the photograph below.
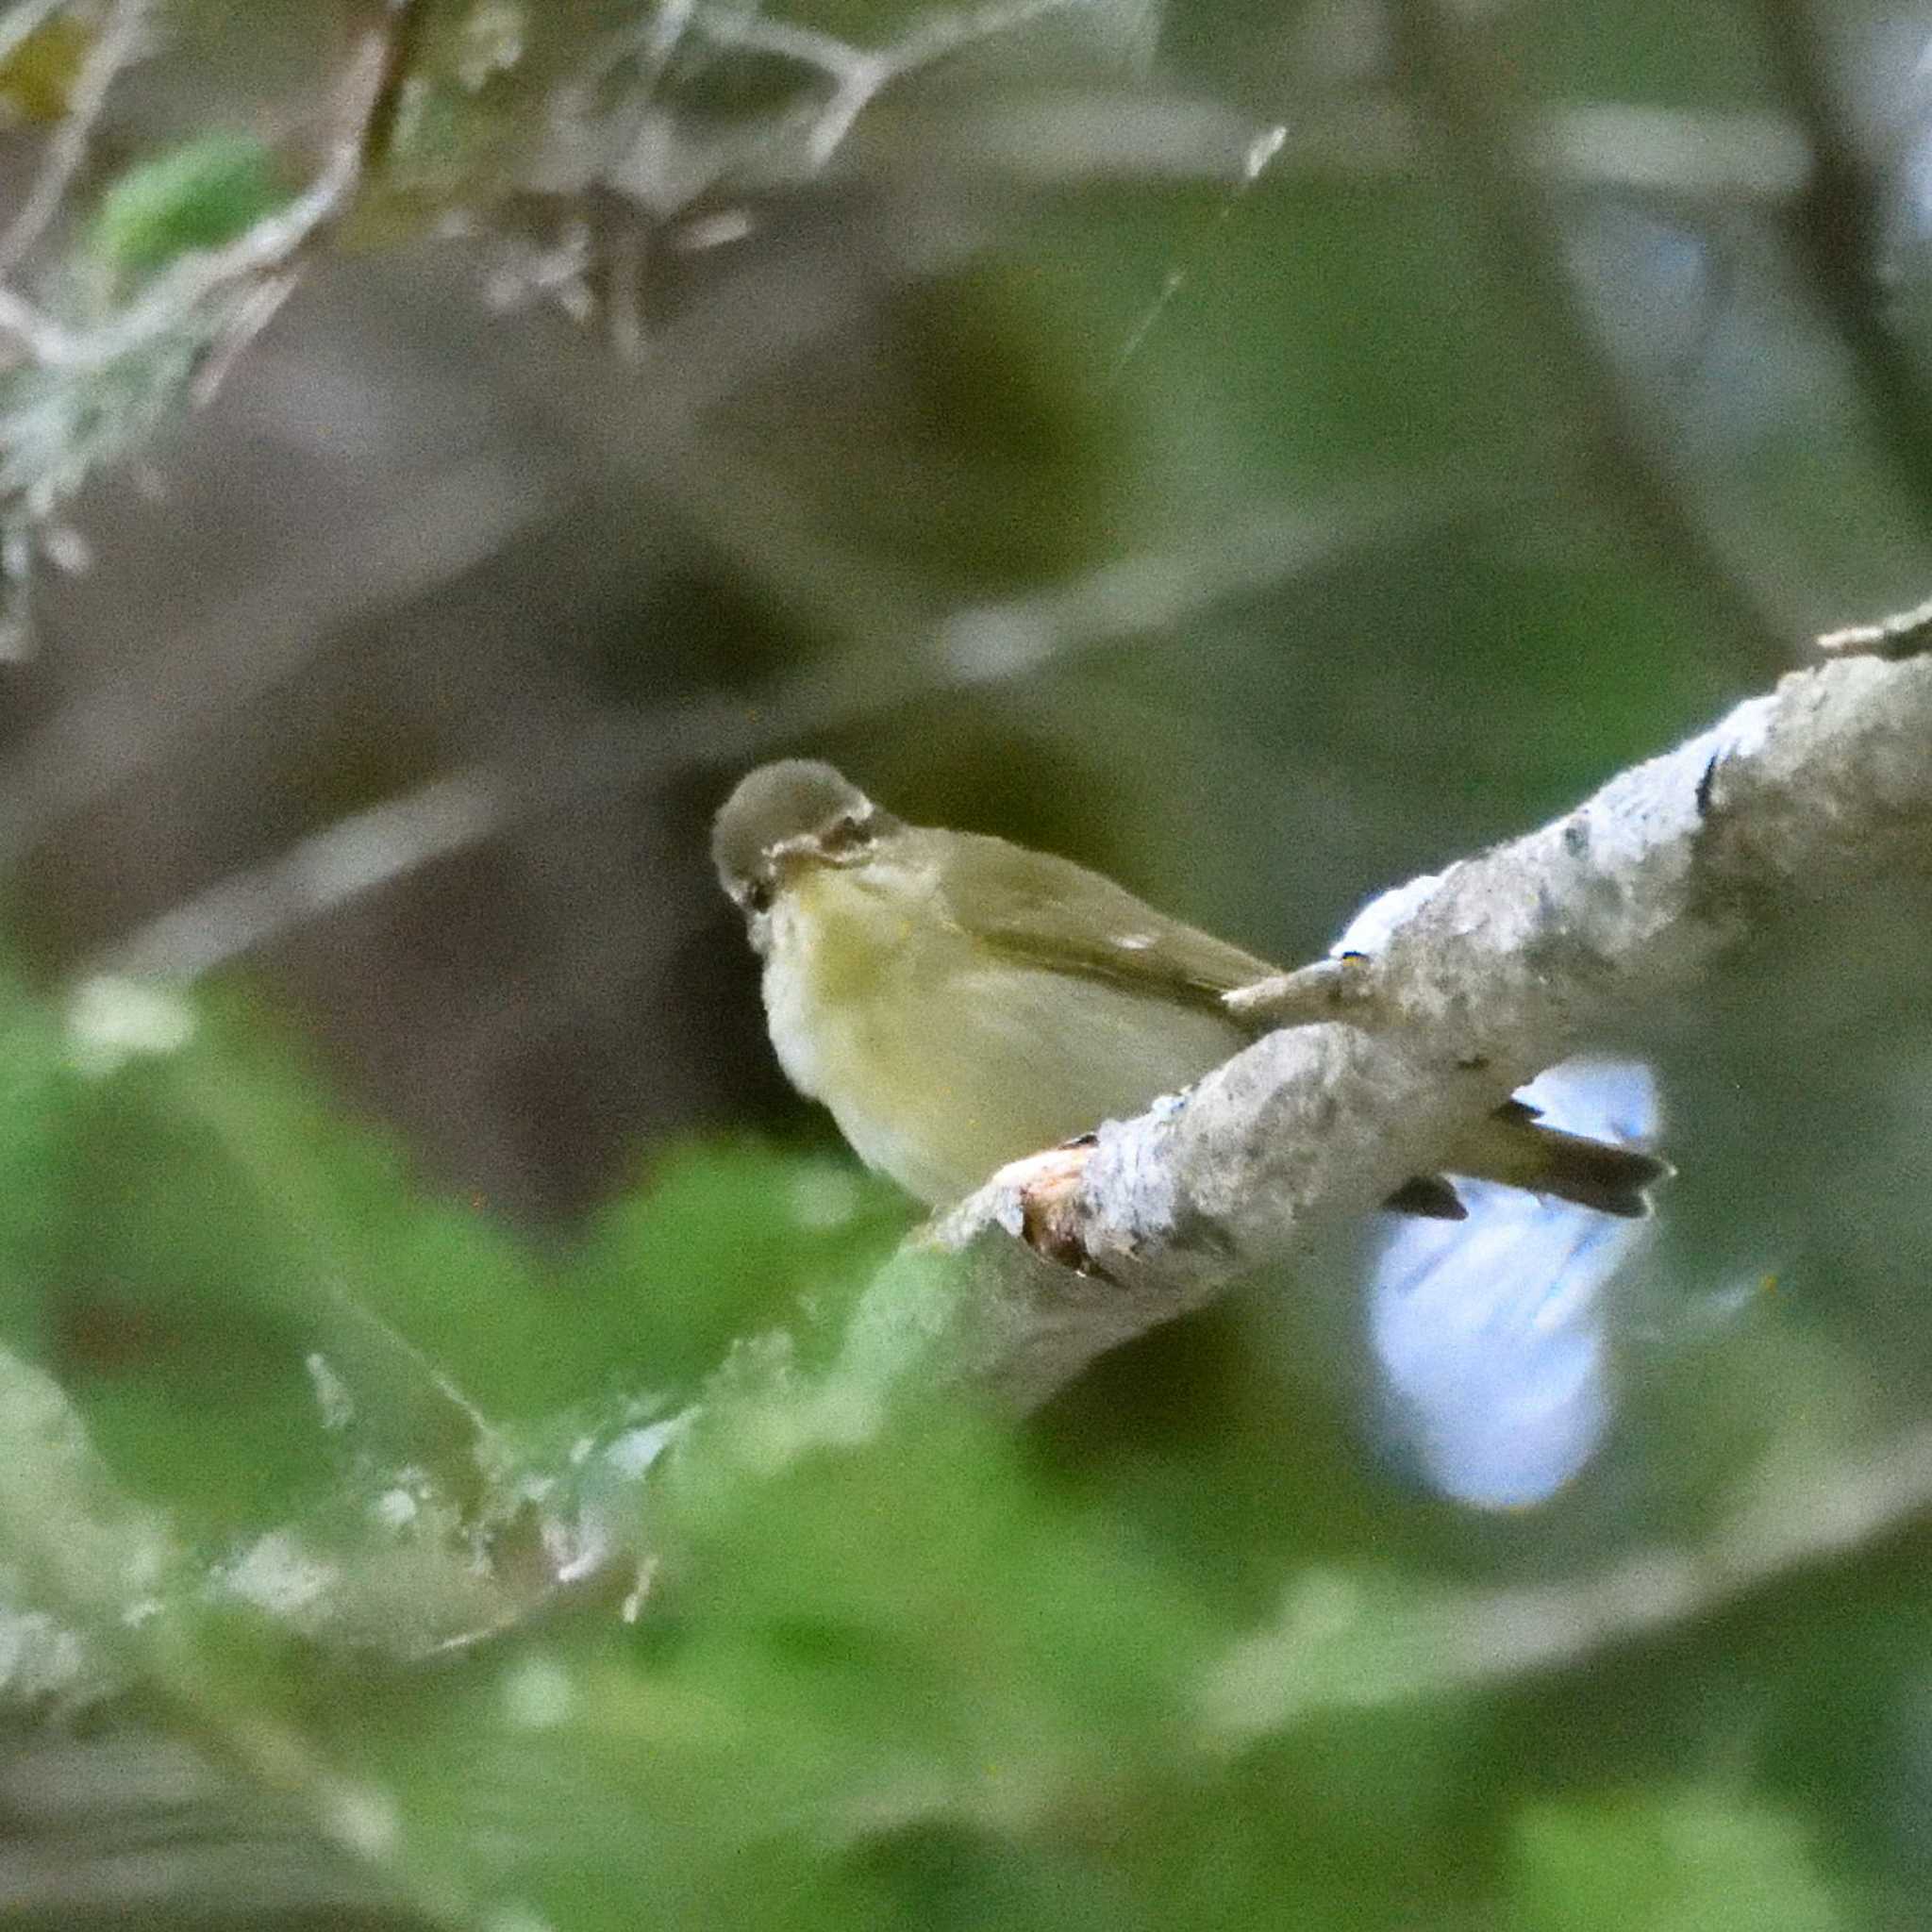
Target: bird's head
x=782 y=820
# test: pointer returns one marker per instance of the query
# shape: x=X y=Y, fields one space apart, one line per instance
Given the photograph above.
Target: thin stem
x=1835 y=225
x=272 y=244
x=121 y=42
x=860 y=74
x=1627 y=454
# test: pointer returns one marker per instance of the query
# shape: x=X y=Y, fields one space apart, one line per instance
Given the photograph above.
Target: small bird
x=958 y=1001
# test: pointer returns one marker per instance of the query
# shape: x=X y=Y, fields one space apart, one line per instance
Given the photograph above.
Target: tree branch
x=1467 y=984
x=1456 y=989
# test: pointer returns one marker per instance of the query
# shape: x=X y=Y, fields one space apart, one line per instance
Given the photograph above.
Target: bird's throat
x=941 y=1057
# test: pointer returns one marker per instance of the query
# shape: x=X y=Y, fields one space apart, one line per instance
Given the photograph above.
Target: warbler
x=958 y=1001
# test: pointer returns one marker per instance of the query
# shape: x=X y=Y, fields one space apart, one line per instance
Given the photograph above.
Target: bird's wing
x=1048 y=911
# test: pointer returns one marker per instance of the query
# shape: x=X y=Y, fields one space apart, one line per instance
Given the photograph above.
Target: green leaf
x=195 y=196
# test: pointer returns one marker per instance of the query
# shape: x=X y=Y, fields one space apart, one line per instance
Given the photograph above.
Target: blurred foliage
x=203 y=1253
x=363 y=1558
x=203 y=193
x=39 y=71
x=311 y=1424
x=1687 y=1858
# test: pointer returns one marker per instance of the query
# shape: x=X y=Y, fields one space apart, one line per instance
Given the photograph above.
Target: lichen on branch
x=1482 y=976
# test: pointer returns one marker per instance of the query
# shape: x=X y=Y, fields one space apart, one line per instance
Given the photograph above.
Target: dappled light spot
x=1489 y=1331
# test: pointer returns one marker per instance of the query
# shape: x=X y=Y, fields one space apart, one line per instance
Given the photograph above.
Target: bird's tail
x=1515 y=1147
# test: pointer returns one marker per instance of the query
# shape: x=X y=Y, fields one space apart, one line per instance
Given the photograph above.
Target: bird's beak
x=790 y=857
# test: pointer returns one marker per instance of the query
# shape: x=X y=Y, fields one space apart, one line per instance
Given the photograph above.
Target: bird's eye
x=844 y=832
x=758 y=895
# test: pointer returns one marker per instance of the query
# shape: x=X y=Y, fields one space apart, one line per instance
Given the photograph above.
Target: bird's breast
x=942 y=1058
x=843 y=958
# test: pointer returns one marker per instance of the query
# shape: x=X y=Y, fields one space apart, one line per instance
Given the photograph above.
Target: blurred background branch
x=120 y=42
x=1838 y=222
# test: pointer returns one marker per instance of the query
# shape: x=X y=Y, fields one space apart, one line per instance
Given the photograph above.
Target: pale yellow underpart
x=942 y=1059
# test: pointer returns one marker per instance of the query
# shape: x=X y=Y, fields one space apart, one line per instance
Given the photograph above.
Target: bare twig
x=1904 y=634
x=1628 y=453
x=122 y=40
x=271 y=245
x=1729 y=154
x=42 y=338
x=1689 y=158
x=859 y=75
